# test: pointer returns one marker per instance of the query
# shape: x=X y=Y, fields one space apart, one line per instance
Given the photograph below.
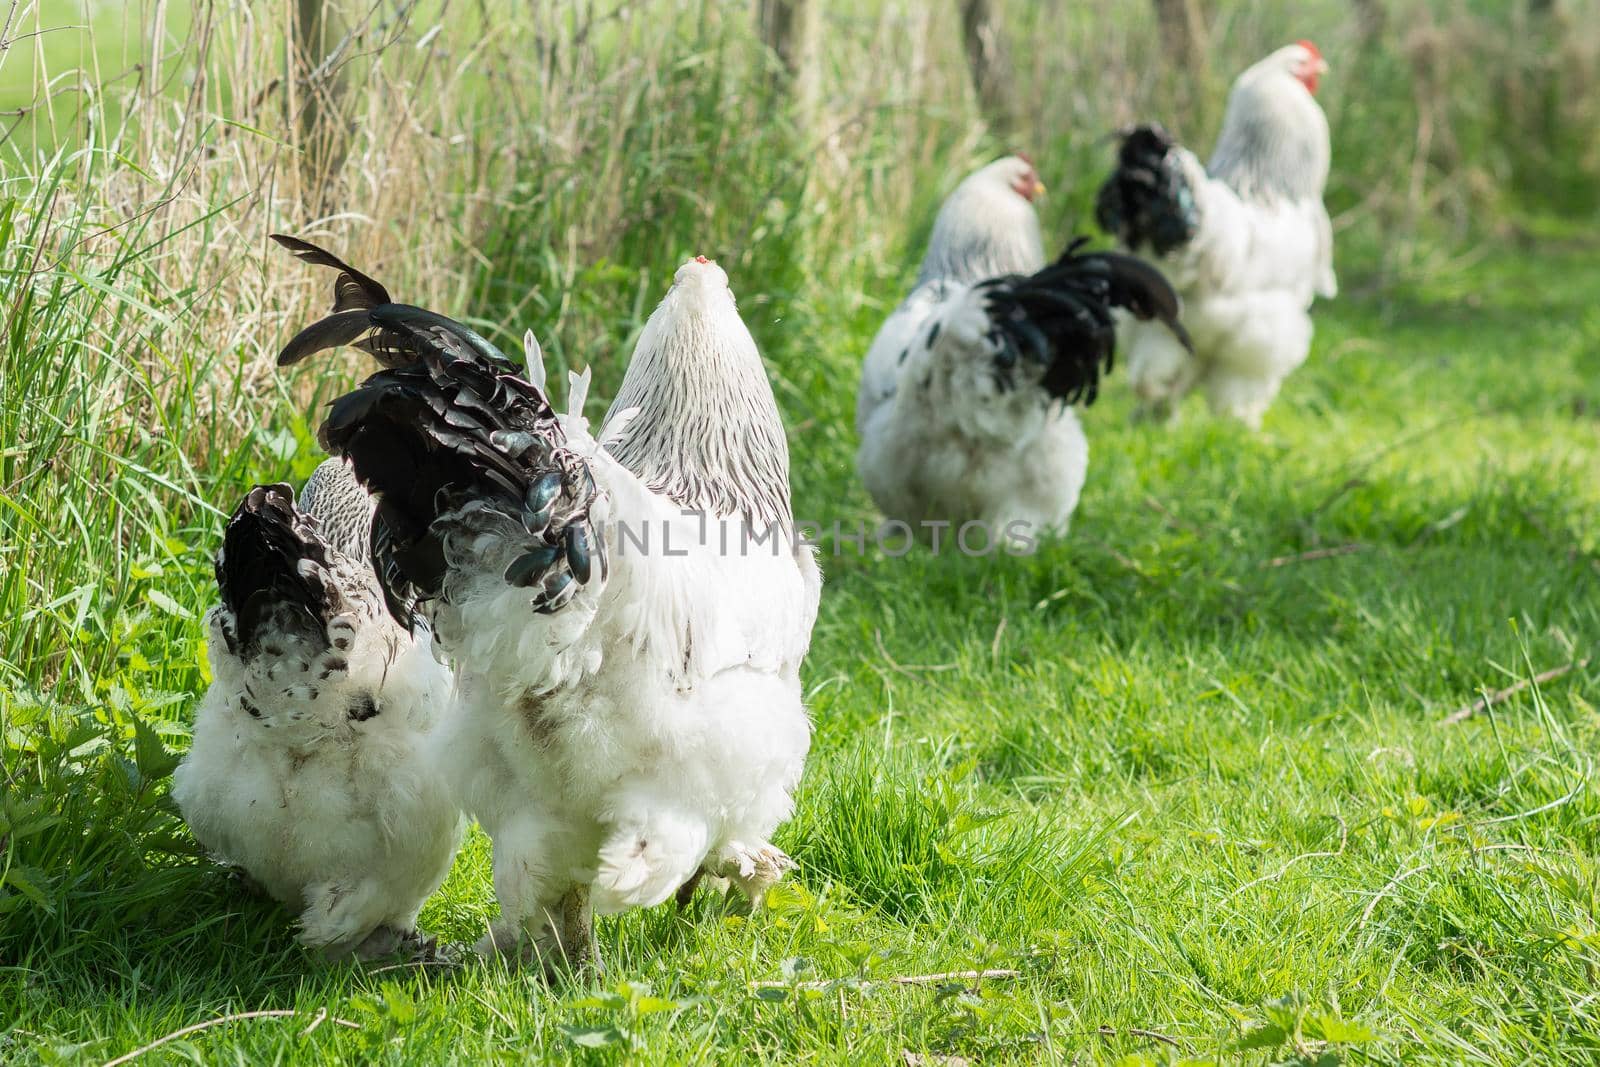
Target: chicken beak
x=1038 y=189
x=1321 y=67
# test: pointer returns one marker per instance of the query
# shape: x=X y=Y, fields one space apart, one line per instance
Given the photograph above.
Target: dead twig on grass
x=953 y=976
x=411 y=965
x=276 y=1013
x=1488 y=700
x=1344 y=838
x=1134 y=1031
x=1173 y=518
x=1331 y=552
x=1389 y=887
x=907 y=669
x=900 y=979
x=1127 y=562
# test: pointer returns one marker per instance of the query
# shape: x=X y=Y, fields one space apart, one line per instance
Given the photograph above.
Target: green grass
x=1184 y=771
x=1179 y=788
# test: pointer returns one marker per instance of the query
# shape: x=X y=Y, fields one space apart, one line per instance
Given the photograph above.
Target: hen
x=626 y=619
x=1246 y=241
x=965 y=406
x=311 y=765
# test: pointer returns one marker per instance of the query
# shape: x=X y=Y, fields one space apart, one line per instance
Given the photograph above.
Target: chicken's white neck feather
x=984 y=229
x=1274 y=140
x=707 y=435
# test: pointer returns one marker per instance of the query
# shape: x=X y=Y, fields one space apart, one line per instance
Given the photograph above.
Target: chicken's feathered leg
x=753 y=870
x=653 y=848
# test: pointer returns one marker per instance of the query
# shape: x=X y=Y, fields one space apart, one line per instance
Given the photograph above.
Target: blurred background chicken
x=1246 y=241
x=628 y=675
x=311 y=768
x=965 y=408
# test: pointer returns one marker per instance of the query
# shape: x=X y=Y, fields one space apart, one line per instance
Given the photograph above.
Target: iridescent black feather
x=1060 y=318
x=447 y=432
x=1147 y=201
x=364 y=317
x=274 y=572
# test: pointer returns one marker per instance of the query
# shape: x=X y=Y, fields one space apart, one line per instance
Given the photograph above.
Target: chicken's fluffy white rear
x=312 y=765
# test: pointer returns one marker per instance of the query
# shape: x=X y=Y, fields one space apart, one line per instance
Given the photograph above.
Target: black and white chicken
x=965 y=408
x=312 y=764
x=626 y=615
x=1246 y=241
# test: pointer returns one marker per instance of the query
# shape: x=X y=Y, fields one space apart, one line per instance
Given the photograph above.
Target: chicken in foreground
x=311 y=768
x=965 y=408
x=1246 y=241
x=626 y=615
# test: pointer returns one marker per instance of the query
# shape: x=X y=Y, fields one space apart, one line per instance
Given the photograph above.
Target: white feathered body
x=965 y=409
x=1248 y=279
x=943 y=440
x=664 y=735
x=312 y=769
x=1263 y=251
x=653 y=727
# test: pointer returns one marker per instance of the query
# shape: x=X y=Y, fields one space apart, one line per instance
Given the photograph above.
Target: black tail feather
x=446 y=430
x=1140 y=288
x=442 y=439
x=339 y=329
x=365 y=317
x=274 y=571
x=353 y=291
x=1061 y=316
x=1147 y=201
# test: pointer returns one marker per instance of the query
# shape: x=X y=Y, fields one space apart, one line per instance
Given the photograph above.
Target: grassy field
x=1183 y=779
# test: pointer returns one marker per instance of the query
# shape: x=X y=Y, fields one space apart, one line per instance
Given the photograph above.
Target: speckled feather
x=309 y=764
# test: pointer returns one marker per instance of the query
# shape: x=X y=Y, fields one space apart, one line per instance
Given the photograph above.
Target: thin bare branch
x=902 y=979
x=1172 y=517
x=275 y=1013
x=1135 y=1031
x=1331 y=552
x=1488 y=700
x=907 y=669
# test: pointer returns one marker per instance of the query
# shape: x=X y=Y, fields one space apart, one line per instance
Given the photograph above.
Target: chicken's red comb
x=1309 y=47
x=1025 y=157
x=701 y=259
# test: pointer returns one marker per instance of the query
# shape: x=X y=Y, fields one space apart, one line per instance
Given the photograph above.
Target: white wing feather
x=533 y=357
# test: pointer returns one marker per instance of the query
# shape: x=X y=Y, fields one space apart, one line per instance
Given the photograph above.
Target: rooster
x=1246 y=241
x=311 y=768
x=626 y=615
x=965 y=409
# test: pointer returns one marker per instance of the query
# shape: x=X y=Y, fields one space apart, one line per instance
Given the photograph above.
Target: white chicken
x=965 y=405
x=1246 y=241
x=626 y=620
x=311 y=768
